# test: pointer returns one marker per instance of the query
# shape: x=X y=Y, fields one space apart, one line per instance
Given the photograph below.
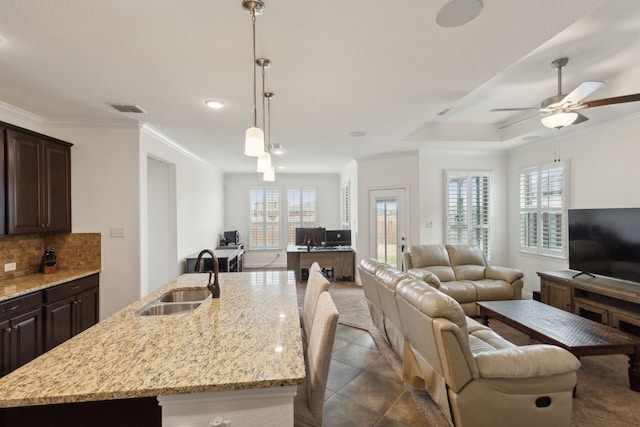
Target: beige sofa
x=476 y=377
x=462 y=272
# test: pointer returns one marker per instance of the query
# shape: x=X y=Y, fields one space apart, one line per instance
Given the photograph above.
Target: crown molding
x=150 y=130
x=20 y=115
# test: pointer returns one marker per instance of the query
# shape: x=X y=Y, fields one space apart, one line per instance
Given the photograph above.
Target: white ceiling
x=380 y=67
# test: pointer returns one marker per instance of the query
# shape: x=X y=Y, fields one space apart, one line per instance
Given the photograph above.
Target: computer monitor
x=338 y=238
x=313 y=236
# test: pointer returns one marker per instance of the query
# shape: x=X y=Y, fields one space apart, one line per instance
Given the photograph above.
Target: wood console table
x=608 y=301
x=340 y=259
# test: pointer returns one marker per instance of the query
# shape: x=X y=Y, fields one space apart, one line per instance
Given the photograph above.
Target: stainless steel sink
x=186 y=295
x=168 y=308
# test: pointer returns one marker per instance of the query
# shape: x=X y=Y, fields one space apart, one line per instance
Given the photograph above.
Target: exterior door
x=387 y=225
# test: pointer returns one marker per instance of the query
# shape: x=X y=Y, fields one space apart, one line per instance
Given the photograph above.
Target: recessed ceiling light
x=214 y=103
x=282 y=167
x=458 y=12
x=277 y=149
x=357 y=134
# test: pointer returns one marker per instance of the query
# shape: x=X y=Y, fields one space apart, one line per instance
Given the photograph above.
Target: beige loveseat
x=476 y=377
x=462 y=272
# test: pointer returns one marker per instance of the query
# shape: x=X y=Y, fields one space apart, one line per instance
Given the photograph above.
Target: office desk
x=230 y=259
x=340 y=258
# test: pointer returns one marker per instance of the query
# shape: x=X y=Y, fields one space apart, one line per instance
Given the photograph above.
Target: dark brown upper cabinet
x=38 y=183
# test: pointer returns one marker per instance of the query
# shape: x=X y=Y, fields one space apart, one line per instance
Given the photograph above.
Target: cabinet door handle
x=8 y=330
x=15 y=307
x=75 y=287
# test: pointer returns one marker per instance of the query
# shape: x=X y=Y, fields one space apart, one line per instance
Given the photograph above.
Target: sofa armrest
x=426 y=276
x=507 y=274
x=530 y=361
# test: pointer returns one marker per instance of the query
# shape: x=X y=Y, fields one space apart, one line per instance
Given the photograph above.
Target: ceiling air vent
x=123 y=108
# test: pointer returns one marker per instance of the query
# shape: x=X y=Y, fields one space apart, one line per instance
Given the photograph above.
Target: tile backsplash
x=73 y=251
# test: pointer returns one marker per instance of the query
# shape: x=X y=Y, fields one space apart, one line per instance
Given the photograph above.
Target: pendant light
x=254 y=137
x=270 y=172
x=264 y=160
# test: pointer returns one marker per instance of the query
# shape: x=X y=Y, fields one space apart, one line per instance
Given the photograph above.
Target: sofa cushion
x=461 y=291
x=467 y=261
x=371 y=265
x=432 y=302
x=435 y=258
x=390 y=277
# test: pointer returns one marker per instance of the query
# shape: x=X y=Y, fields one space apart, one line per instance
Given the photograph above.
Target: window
x=301 y=211
x=264 y=227
x=468 y=209
x=542 y=209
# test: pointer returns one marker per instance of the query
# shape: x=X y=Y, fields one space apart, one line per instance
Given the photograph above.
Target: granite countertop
x=248 y=338
x=22 y=285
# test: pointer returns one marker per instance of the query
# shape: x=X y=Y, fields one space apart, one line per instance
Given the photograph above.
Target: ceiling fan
x=561 y=110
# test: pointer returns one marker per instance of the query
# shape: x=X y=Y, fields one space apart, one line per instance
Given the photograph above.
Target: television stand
x=608 y=301
x=583 y=272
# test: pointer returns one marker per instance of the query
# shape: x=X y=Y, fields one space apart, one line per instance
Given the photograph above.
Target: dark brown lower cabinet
x=142 y=412
x=71 y=308
x=34 y=323
x=21 y=329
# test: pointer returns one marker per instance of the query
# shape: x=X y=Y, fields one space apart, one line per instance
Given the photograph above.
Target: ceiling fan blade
x=513 y=109
x=583 y=90
x=608 y=101
x=519 y=121
x=580 y=119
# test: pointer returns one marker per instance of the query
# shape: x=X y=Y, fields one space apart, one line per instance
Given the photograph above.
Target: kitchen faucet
x=215 y=286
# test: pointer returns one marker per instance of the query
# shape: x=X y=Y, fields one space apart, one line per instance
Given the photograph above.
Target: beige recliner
x=367 y=270
x=462 y=272
x=477 y=377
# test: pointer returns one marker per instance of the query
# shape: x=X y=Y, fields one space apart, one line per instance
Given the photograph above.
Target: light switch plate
x=10 y=266
x=118 y=231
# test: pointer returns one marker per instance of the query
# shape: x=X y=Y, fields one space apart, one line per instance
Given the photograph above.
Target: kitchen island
x=239 y=356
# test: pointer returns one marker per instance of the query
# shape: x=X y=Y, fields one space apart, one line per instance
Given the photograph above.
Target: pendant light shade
x=254 y=137
x=254 y=142
x=269 y=175
x=264 y=162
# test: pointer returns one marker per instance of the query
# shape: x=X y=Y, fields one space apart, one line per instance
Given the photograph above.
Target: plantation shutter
x=468 y=209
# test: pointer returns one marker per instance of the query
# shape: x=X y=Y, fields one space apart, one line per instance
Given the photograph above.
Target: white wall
x=433 y=165
x=236 y=208
x=105 y=193
x=603 y=173
x=384 y=171
x=199 y=200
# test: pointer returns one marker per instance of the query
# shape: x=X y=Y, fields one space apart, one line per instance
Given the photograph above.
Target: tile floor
x=363 y=389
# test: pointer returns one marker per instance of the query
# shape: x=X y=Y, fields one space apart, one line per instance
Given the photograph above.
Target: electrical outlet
x=11 y=266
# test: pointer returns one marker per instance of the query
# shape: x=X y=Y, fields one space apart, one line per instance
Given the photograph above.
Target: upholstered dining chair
x=309 y=401
x=316 y=284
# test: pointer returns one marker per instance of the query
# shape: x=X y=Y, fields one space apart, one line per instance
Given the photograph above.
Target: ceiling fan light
x=254 y=142
x=269 y=175
x=264 y=162
x=559 y=119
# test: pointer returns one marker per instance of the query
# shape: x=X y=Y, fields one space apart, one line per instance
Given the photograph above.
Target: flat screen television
x=605 y=242
x=338 y=237
x=315 y=236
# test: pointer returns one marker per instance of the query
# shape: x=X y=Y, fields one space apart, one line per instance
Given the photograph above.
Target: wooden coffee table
x=550 y=325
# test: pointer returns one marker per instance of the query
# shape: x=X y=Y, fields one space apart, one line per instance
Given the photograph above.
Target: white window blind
x=467 y=206
x=542 y=209
x=345 y=203
x=301 y=211
x=264 y=227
